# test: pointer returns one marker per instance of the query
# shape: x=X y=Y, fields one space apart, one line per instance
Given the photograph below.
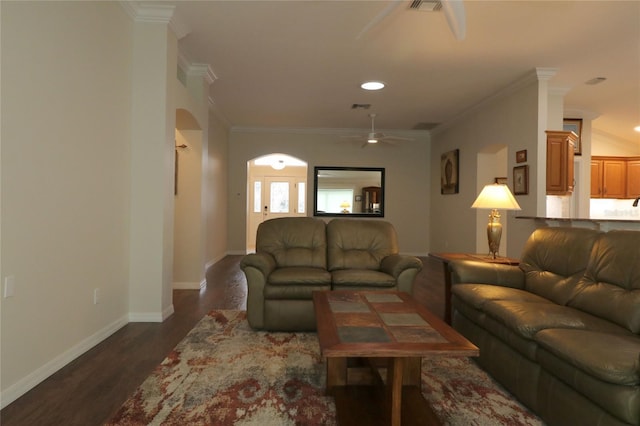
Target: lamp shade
x=496 y=196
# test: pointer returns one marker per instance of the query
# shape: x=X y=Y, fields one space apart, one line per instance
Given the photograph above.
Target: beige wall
x=66 y=132
x=216 y=188
x=509 y=120
x=188 y=255
x=406 y=172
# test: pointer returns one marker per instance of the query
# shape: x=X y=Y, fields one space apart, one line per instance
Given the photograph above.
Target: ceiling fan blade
x=456 y=17
x=396 y=138
x=379 y=17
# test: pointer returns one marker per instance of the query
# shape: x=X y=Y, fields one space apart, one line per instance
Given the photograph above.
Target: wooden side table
x=445 y=258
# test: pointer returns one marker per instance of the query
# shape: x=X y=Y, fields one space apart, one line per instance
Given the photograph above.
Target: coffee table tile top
x=346 y=330
x=411 y=334
x=363 y=335
x=392 y=319
x=347 y=306
x=382 y=298
x=375 y=317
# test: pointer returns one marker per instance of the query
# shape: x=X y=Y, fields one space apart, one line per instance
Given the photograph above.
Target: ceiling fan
x=374 y=137
x=453 y=11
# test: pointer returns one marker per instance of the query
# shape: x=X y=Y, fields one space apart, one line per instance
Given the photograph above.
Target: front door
x=271 y=197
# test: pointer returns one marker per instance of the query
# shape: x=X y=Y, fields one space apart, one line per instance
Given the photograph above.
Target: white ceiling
x=300 y=63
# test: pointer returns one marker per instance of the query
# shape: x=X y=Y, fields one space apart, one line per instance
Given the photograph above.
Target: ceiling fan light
x=278 y=165
x=372 y=140
x=372 y=85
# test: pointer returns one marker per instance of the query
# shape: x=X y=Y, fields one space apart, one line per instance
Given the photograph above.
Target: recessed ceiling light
x=637 y=128
x=372 y=85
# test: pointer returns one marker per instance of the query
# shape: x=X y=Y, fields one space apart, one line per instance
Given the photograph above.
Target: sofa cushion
x=299 y=275
x=528 y=318
x=477 y=295
x=294 y=241
x=560 y=382
x=610 y=287
x=607 y=356
x=359 y=244
x=361 y=278
x=554 y=259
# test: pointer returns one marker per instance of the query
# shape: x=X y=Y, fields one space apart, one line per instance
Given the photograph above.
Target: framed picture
x=574 y=125
x=521 y=180
x=449 y=172
x=521 y=156
x=501 y=180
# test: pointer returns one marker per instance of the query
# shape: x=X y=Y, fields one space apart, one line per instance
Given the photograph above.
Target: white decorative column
x=154 y=64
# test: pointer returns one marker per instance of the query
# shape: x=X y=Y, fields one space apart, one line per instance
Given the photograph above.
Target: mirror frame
x=316 y=173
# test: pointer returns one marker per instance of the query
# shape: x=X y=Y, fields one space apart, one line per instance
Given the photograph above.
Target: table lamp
x=495 y=196
x=345 y=207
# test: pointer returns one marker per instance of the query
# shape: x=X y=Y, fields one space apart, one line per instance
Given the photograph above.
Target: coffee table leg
x=412 y=372
x=394 y=383
x=336 y=373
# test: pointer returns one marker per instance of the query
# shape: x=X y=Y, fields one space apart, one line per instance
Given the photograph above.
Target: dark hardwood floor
x=91 y=388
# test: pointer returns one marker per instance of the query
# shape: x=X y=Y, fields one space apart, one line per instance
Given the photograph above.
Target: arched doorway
x=277 y=187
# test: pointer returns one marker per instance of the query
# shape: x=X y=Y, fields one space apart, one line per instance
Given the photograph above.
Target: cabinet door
x=596 y=178
x=633 y=178
x=614 y=178
x=560 y=151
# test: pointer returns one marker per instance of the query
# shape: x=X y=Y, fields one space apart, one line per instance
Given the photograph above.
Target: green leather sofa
x=560 y=331
x=296 y=256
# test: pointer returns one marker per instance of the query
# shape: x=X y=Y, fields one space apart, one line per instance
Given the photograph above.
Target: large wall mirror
x=348 y=191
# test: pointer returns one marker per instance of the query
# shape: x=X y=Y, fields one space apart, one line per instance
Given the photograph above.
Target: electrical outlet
x=96 y=296
x=9 y=286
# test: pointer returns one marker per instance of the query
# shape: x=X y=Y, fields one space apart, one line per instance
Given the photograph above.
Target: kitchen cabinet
x=633 y=178
x=609 y=176
x=560 y=152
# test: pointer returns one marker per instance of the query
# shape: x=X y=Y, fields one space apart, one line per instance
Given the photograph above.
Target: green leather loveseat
x=296 y=256
x=561 y=330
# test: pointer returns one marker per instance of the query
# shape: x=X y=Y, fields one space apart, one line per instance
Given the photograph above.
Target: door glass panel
x=302 y=196
x=257 y=196
x=279 y=197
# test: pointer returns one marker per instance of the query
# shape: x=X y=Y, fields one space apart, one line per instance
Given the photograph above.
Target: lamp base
x=494 y=233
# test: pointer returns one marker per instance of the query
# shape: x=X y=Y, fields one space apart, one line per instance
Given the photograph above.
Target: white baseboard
x=151 y=316
x=187 y=285
x=24 y=385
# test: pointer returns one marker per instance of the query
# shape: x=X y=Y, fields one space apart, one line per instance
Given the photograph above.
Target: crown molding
x=203 y=70
x=534 y=76
x=156 y=13
x=195 y=69
x=215 y=109
x=324 y=131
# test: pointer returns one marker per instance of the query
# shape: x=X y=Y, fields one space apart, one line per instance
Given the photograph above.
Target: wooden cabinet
x=560 y=152
x=615 y=177
x=633 y=178
x=371 y=197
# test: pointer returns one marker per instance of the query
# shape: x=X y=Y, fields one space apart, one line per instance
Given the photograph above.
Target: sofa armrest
x=395 y=264
x=263 y=262
x=257 y=267
x=477 y=272
x=403 y=268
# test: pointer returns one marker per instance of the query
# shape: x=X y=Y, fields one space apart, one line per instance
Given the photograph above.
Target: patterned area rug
x=225 y=373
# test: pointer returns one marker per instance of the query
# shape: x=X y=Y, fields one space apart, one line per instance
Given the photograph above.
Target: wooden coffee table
x=364 y=333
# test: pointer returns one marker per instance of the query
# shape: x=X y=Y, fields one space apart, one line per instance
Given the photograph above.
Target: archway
x=277 y=187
